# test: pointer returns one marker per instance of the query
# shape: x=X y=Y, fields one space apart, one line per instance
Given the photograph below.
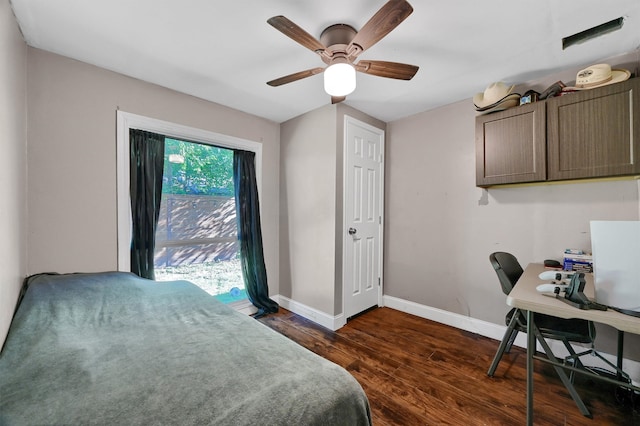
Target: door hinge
x=379 y=220
x=379 y=282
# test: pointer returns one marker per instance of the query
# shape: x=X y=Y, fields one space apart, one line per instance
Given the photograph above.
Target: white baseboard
x=495 y=331
x=319 y=317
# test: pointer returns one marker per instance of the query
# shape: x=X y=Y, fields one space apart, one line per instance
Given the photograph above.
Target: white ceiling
x=225 y=52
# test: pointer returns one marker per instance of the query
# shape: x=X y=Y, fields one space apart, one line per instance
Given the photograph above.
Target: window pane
x=197 y=237
x=183 y=255
x=191 y=216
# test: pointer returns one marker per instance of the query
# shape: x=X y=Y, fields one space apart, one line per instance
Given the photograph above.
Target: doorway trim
x=348 y=120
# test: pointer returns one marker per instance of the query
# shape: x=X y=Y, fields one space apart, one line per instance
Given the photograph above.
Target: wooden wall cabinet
x=588 y=134
x=510 y=146
x=594 y=133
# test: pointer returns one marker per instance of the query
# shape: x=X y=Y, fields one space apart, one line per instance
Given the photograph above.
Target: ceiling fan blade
x=387 y=69
x=297 y=34
x=295 y=77
x=337 y=99
x=380 y=24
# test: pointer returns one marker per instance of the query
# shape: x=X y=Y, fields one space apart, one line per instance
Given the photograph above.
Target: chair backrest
x=508 y=269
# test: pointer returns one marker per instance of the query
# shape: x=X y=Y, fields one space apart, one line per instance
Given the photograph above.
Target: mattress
x=113 y=348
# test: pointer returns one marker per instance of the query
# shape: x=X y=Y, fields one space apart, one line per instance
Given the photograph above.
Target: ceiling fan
x=340 y=45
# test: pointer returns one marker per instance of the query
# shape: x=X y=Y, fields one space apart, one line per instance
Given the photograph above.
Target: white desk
x=525 y=297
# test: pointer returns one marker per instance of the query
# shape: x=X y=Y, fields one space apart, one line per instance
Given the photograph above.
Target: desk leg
x=557 y=365
x=620 y=350
x=531 y=348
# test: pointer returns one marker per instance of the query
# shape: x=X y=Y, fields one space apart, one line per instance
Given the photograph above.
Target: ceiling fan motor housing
x=338 y=34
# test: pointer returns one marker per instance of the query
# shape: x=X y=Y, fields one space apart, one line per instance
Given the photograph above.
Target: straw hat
x=493 y=94
x=598 y=75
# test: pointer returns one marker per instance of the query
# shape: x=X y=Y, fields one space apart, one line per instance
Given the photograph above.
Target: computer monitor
x=615 y=247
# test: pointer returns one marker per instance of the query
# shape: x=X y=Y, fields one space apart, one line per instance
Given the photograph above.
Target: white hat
x=598 y=75
x=493 y=94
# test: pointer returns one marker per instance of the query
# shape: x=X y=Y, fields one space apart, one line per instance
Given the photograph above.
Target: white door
x=362 y=248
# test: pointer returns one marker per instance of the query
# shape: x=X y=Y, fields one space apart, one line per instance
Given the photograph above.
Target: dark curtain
x=249 y=232
x=146 y=167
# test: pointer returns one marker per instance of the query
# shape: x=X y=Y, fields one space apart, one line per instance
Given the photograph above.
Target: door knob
x=352 y=231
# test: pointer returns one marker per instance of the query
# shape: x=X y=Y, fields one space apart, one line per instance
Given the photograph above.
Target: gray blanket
x=112 y=348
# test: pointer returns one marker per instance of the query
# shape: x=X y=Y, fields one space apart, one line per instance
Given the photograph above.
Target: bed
x=113 y=348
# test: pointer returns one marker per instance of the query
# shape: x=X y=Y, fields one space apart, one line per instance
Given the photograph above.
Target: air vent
x=592 y=33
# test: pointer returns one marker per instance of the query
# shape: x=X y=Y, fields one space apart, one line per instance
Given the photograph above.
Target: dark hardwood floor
x=419 y=372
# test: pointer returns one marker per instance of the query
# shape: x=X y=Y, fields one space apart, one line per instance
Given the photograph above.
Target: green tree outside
x=195 y=168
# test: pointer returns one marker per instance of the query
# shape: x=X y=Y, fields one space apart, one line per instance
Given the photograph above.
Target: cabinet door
x=510 y=146
x=595 y=133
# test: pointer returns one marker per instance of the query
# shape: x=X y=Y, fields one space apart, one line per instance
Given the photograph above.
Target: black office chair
x=565 y=330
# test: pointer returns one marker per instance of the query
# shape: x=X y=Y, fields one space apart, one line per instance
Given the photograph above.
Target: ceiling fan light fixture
x=341 y=44
x=339 y=79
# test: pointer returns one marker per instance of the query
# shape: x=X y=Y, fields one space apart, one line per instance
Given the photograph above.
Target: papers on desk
x=616 y=262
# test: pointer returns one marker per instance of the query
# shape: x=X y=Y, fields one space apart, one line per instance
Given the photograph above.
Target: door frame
x=348 y=120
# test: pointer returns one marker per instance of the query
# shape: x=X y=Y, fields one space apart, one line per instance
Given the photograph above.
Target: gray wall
x=72 y=159
x=308 y=208
x=440 y=228
x=13 y=143
x=311 y=158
